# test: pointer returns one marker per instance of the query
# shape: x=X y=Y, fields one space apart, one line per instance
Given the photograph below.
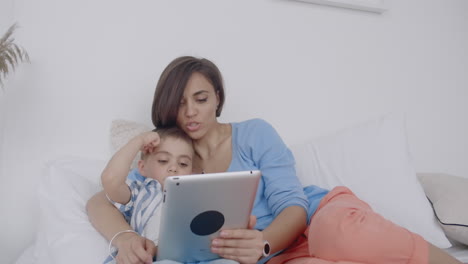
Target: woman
x=190 y=94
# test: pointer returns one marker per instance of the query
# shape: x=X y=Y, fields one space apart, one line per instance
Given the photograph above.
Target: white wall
x=307 y=69
x=6 y=20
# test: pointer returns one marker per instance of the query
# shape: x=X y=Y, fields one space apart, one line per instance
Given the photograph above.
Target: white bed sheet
x=64 y=227
x=459 y=251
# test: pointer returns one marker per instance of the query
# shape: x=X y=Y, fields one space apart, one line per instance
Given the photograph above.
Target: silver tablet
x=196 y=207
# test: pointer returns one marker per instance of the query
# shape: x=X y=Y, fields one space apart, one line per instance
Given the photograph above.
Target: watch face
x=266 y=249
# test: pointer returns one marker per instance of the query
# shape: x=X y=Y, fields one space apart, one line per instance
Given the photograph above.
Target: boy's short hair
x=173 y=132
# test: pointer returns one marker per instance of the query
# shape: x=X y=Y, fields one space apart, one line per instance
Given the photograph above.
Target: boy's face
x=172 y=157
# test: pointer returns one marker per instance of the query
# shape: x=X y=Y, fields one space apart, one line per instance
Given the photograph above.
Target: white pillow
x=373 y=160
x=65 y=234
x=449 y=197
x=122 y=131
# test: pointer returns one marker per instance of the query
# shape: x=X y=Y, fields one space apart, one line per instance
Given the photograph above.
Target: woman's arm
x=280 y=201
x=246 y=245
x=109 y=221
x=286 y=227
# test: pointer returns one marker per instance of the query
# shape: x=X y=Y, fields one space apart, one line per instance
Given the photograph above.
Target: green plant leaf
x=9 y=33
x=10 y=54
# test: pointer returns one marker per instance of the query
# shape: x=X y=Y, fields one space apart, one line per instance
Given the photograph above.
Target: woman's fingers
x=239 y=238
x=241 y=234
x=252 y=221
x=242 y=245
x=237 y=243
x=236 y=252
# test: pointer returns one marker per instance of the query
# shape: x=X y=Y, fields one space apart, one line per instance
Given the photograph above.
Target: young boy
x=164 y=152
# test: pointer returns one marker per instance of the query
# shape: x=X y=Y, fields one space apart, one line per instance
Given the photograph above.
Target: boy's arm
x=109 y=221
x=114 y=175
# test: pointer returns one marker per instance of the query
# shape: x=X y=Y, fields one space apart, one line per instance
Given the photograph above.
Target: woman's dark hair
x=171 y=86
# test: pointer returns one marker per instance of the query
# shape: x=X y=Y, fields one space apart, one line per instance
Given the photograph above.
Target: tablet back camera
x=207 y=223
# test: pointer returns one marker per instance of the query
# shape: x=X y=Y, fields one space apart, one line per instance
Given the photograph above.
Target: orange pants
x=345 y=230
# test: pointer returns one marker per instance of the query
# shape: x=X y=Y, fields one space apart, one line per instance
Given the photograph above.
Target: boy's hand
x=150 y=140
x=135 y=249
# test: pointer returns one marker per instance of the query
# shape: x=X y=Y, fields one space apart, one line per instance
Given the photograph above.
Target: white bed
x=459 y=251
x=371 y=158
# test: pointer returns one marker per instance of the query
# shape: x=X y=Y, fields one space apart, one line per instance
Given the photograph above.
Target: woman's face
x=197 y=110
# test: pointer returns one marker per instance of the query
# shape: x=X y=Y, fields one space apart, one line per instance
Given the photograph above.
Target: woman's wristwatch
x=266 y=249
